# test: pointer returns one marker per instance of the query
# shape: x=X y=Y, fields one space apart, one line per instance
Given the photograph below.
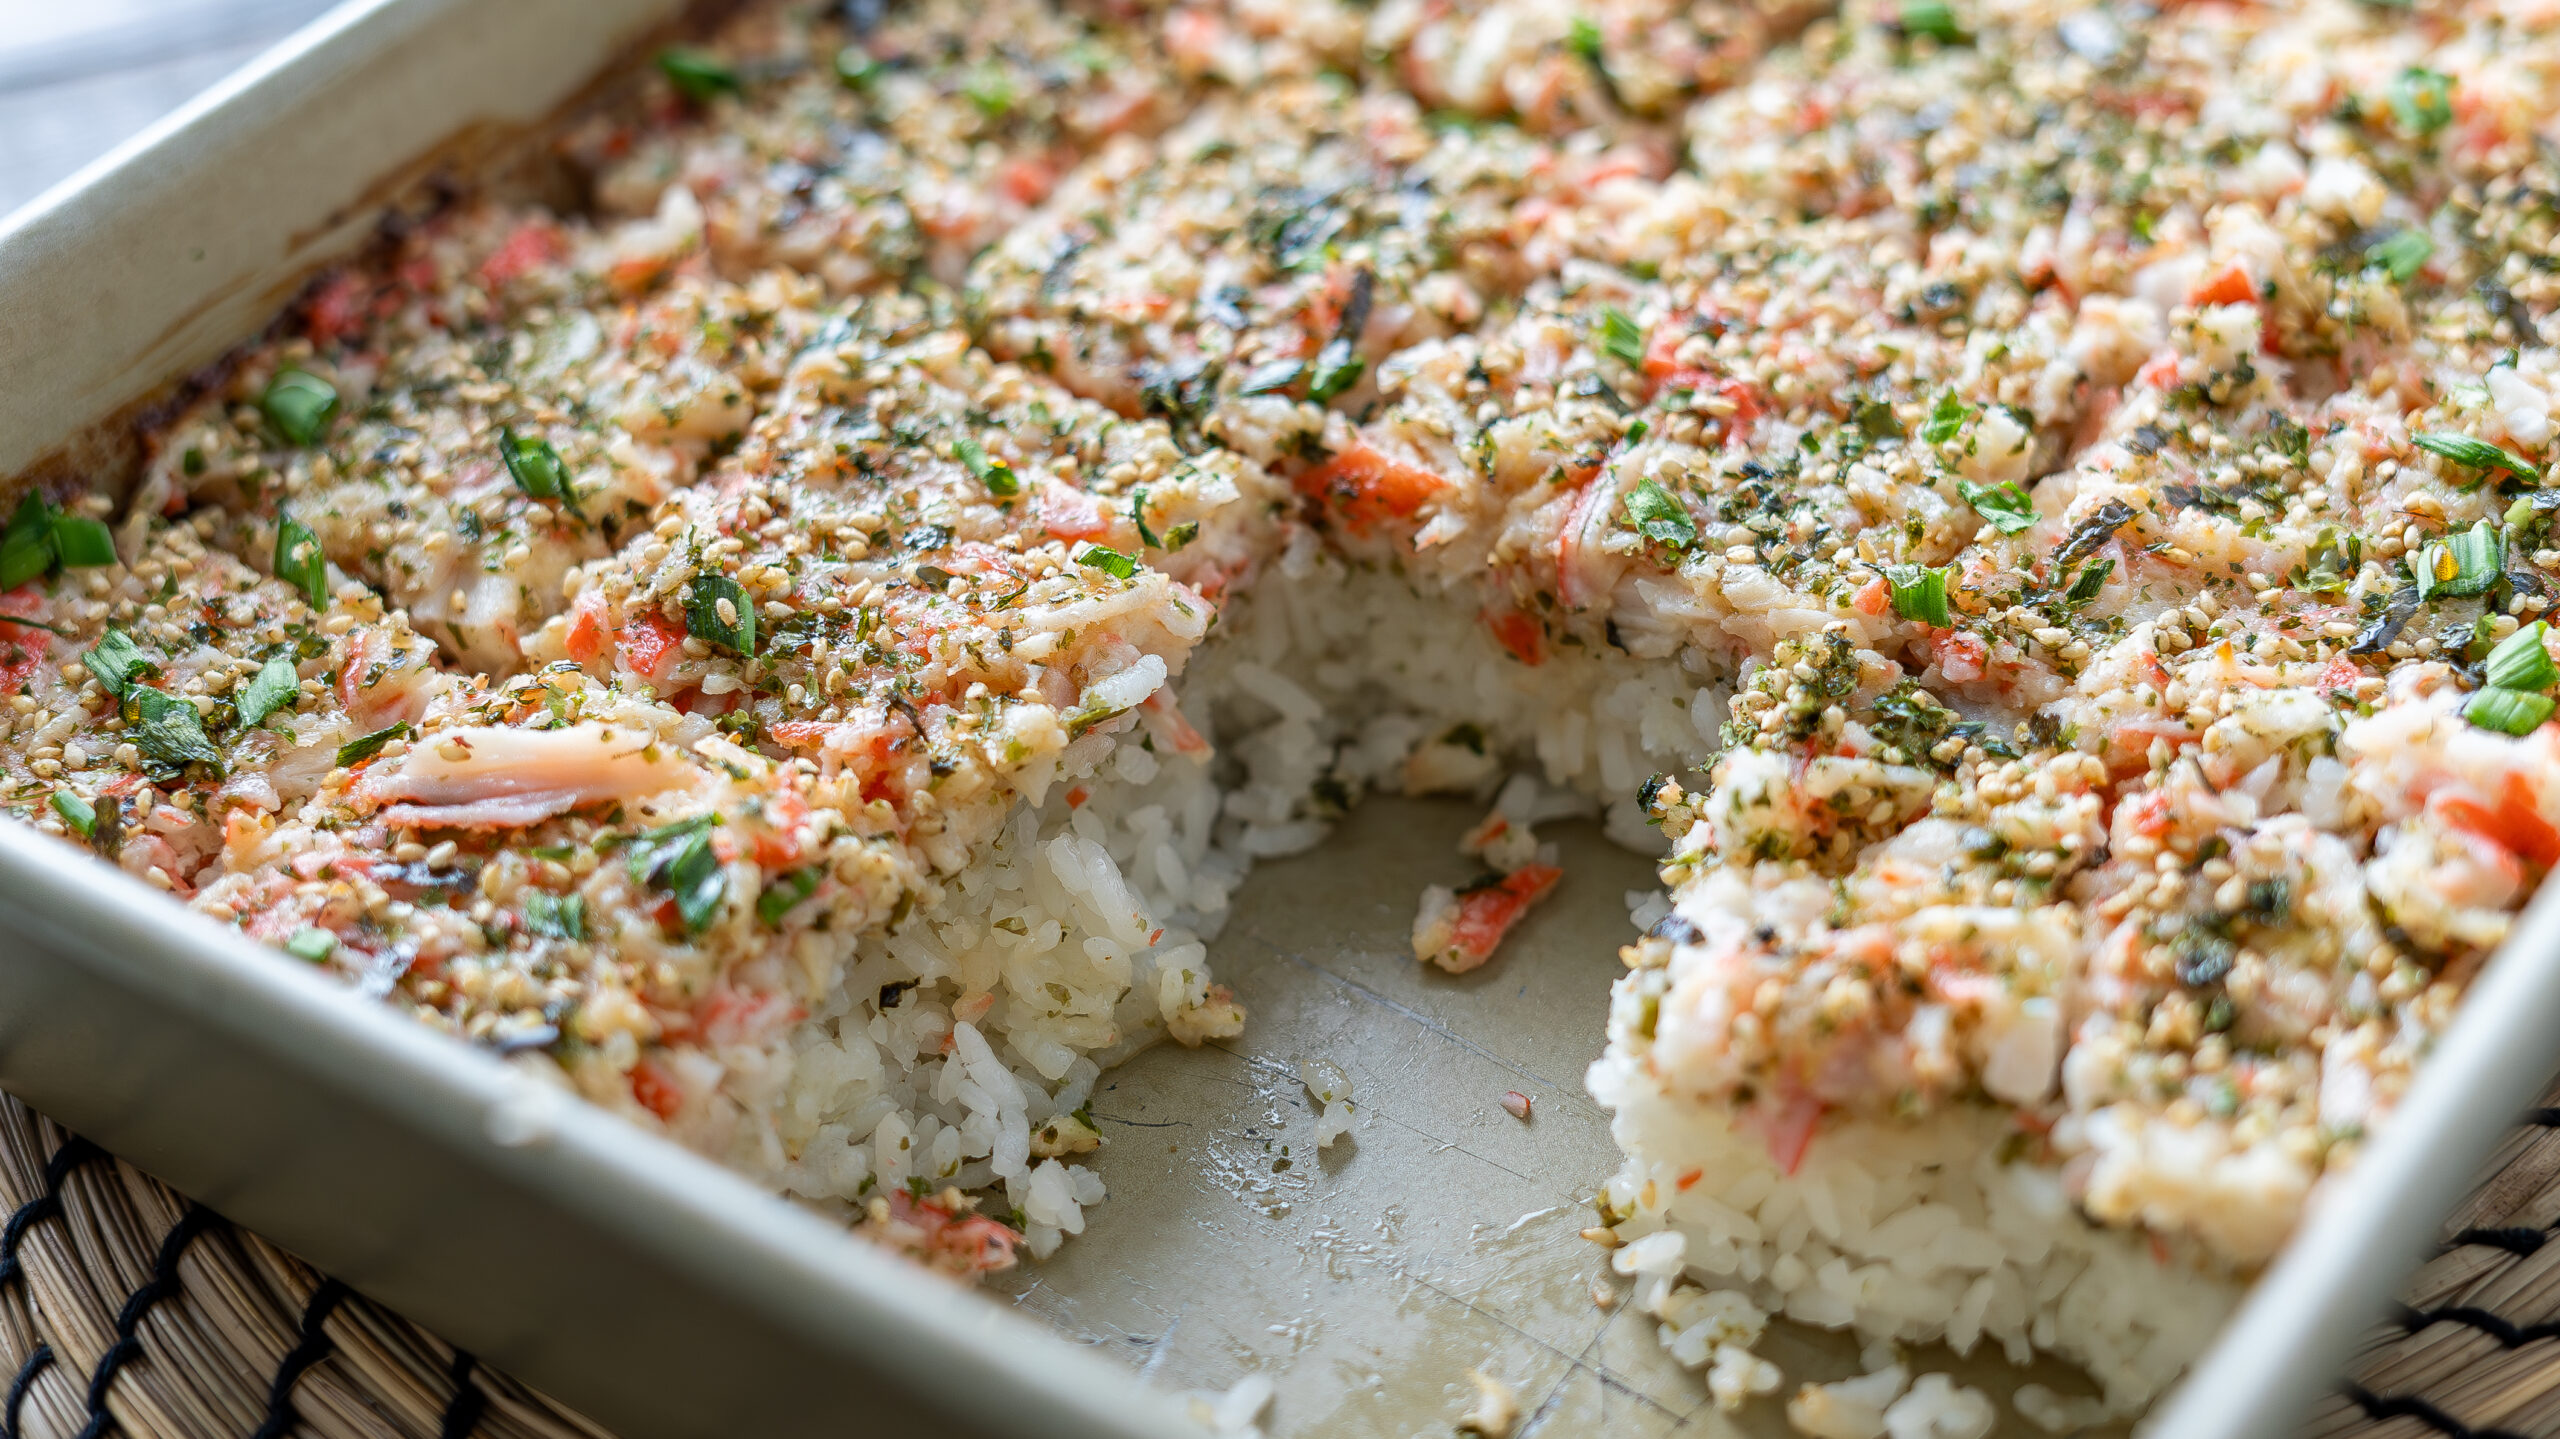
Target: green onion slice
x=2520 y=662
x=1946 y=419
x=2003 y=506
x=76 y=812
x=311 y=945
x=299 y=405
x=2467 y=563
x=276 y=685
x=698 y=75
x=299 y=561
x=2512 y=712
x=2476 y=454
x=717 y=611
x=1660 y=516
x=995 y=474
x=1109 y=561
x=1919 y=593
x=167 y=728
x=1620 y=339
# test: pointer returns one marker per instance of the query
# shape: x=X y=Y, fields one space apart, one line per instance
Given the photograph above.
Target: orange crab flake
x=1367 y=487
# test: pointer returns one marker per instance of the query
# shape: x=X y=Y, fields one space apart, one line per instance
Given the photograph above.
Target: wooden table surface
x=77 y=76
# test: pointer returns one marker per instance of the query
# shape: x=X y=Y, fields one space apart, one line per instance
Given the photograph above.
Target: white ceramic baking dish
x=644 y=1284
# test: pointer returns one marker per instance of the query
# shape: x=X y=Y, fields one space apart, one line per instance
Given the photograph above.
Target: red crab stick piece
x=1459 y=930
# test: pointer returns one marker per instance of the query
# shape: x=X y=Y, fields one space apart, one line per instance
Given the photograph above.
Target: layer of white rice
x=1092 y=913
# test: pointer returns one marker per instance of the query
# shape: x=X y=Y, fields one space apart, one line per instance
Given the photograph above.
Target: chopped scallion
x=299 y=561
x=718 y=611
x=1660 y=516
x=2003 y=506
x=1337 y=370
x=76 y=812
x=365 y=747
x=558 y=916
x=1620 y=339
x=2520 y=662
x=299 y=405
x=2476 y=454
x=1946 y=419
x=167 y=728
x=277 y=685
x=117 y=662
x=1919 y=593
x=784 y=895
x=537 y=469
x=1109 y=561
x=311 y=945
x=698 y=74
x=2512 y=712
x=2466 y=563
x=995 y=474
x=2402 y=255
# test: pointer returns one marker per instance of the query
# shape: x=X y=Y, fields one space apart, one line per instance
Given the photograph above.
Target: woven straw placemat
x=127 y=1308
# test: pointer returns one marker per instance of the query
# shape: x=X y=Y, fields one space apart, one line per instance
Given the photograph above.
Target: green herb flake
x=996 y=475
x=2474 y=454
x=299 y=561
x=277 y=685
x=299 y=405
x=1620 y=338
x=1271 y=377
x=1337 y=370
x=365 y=747
x=76 y=812
x=1659 y=516
x=1138 y=516
x=784 y=894
x=26 y=548
x=2467 y=563
x=168 y=729
x=1933 y=19
x=2401 y=255
x=1180 y=536
x=706 y=600
x=2003 y=506
x=1109 y=561
x=535 y=465
x=1876 y=420
x=557 y=916
x=855 y=69
x=116 y=661
x=698 y=75
x=312 y=945
x=2520 y=662
x=1583 y=39
x=2091 y=581
x=2422 y=100
x=1919 y=593
x=679 y=860
x=1946 y=419
x=2511 y=712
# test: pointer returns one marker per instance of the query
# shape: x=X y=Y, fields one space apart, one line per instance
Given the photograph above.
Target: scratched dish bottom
x=1445 y=1234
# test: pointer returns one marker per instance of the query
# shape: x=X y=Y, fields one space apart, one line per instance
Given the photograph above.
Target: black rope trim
x=163 y=1284
x=75 y=1152
x=38 y=1360
x=2519 y=1240
x=462 y=1415
x=2507 y=1332
x=310 y=1349
x=2409 y=1406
